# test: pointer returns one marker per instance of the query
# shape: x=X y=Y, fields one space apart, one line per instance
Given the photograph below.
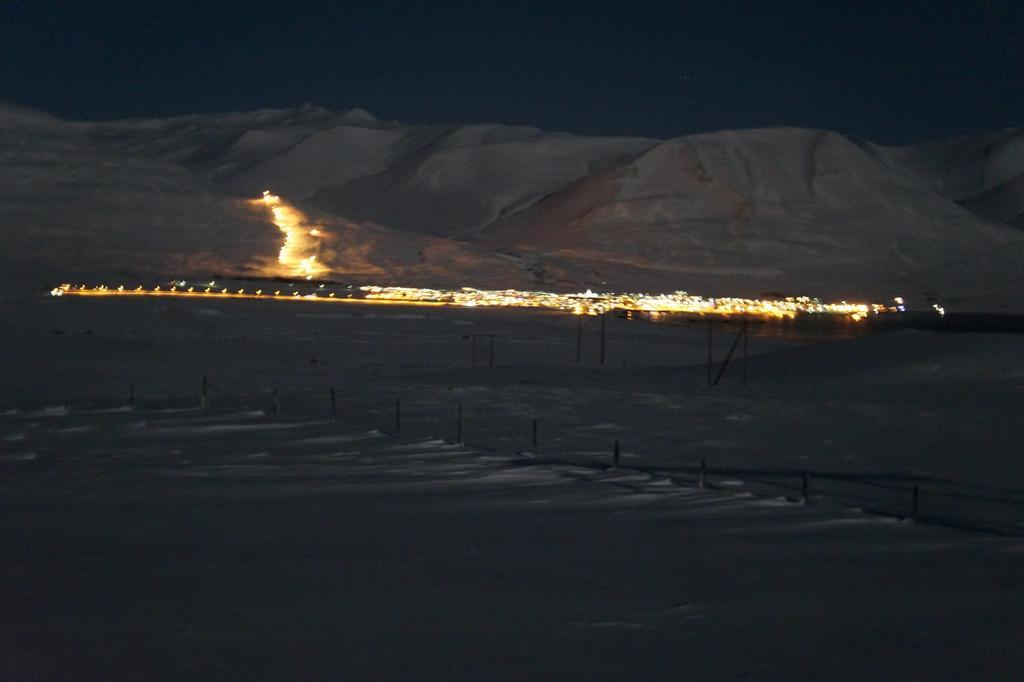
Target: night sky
x=886 y=70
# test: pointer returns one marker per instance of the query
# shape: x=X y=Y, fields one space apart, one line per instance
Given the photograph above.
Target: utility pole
x=579 y=339
x=732 y=349
x=473 y=350
x=603 y=318
x=711 y=325
x=746 y=336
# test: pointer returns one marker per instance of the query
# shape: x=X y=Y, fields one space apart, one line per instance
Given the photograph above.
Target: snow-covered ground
x=168 y=542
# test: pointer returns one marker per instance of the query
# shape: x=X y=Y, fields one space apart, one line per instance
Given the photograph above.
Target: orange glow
x=587 y=303
x=300 y=252
x=102 y=291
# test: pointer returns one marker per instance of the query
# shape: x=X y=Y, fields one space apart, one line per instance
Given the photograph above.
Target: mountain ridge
x=801 y=210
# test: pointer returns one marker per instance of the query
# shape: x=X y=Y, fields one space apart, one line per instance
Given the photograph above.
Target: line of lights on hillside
x=303 y=242
x=586 y=303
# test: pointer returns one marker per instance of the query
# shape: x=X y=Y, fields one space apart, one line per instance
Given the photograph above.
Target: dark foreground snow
x=168 y=542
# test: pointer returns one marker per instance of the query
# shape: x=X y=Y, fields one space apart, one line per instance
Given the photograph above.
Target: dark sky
x=888 y=70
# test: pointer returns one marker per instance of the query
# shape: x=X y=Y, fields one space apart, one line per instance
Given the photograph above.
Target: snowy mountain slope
x=365 y=253
x=451 y=179
x=73 y=208
x=983 y=173
x=76 y=208
x=788 y=209
x=730 y=212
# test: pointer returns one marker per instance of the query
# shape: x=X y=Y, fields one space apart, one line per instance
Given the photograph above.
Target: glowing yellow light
x=302 y=243
x=586 y=303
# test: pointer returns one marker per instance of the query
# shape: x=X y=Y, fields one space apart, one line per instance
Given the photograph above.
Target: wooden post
x=616 y=454
x=579 y=339
x=458 y=432
x=915 y=502
x=711 y=325
x=334 y=405
x=702 y=476
x=204 y=395
x=398 y=416
x=746 y=336
x=805 y=489
x=603 y=318
x=534 y=439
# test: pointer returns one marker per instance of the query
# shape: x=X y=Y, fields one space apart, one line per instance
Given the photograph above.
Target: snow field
x=165 y=541
x=157 y=544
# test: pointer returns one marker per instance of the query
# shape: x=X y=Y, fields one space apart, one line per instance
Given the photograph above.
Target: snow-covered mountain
x=982 y=173
x=72 y=207
x=731 y=212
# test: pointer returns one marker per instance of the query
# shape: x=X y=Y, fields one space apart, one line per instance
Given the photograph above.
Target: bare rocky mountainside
x=726 y=213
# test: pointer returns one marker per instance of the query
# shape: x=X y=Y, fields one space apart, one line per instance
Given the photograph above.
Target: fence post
x=702 y=476
x=616 y=453
x=603 y=318
x=805 y=489
x=711 y=325
x=458 y=432
x=746 y=336
x=204 y=401
x=579 y=339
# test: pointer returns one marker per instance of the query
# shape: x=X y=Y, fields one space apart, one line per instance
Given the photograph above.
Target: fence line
x=916 y=499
